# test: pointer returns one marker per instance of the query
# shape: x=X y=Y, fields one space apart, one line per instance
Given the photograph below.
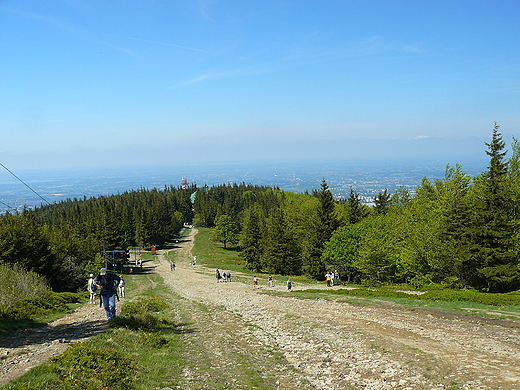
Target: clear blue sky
x=87 y=83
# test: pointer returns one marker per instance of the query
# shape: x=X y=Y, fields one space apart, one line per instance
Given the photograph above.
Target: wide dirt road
x=344 y=346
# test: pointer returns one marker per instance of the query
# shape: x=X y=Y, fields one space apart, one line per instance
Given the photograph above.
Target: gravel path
x=333 y=345
x=341 y=346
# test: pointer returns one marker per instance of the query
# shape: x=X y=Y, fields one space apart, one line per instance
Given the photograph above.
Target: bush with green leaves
x=18 y=284
x=142 y=313
x=84 y=367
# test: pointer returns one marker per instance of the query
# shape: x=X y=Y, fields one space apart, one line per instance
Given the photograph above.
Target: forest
x=458 y=232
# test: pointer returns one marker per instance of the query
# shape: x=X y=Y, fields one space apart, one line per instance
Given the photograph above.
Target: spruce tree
x=382 y=202
x=322 y=226
x=252 y=238
x=492 y=230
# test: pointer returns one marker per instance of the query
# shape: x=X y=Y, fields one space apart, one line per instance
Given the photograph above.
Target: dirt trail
x=340 y=345
x=332 y=345
x=25 y=349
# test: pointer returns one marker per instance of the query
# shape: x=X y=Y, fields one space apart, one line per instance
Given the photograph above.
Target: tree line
x=459 y=231
x=65 y=241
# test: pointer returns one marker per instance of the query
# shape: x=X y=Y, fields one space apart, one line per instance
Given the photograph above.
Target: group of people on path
x=108 y=284
x=332 y=278
x=224 y=276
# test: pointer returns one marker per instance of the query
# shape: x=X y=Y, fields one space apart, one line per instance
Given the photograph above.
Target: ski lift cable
x=6 y=205
x=25 y=184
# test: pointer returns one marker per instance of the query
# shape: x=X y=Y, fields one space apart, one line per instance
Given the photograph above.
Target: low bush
x=436 y=295
x=141 y=314
x=84 y=367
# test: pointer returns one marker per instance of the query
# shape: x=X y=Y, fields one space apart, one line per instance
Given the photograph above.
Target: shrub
x=83 y=367
x=18 y=284
x=153 y=339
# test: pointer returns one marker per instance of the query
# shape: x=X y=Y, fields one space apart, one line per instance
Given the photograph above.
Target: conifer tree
x=252 y=238
x=280 y=252
x=382 y=202
x=492 y=230
x=322 y=226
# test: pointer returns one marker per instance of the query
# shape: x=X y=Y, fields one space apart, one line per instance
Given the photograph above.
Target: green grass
x=213 y=255
x=160 y=340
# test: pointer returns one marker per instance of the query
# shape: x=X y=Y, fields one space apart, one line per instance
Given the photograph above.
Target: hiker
x=336 y=278
x=289 y=285
x=106 y=282
x=327 y=277
x=122 y=287
x=270 y=280
x=255 y=282
x=218 y=276
x=92 y=290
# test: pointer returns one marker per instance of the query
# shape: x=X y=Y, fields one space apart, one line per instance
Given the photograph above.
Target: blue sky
x=93 y=83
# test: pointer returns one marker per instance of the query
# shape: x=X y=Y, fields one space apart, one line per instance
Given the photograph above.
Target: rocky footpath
x=328 y=344
x=344 y=346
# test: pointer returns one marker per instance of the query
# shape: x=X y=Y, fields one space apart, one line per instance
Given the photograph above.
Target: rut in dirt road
x=340 y=345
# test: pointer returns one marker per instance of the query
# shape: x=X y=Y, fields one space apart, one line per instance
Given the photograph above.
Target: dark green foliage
x=280 y=253
x=320 y=228
x=64 y=241
x=382 y=202
x=250 y=243
x=29 y=308
x=226 y=231
x=84 y=367
x=493 y=250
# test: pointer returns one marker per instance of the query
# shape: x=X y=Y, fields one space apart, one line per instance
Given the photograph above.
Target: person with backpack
x=107 y=282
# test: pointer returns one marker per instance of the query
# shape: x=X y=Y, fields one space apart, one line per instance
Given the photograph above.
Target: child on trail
x=122 y=287
x=255 y=282
x=289 y=285
x=92 y=290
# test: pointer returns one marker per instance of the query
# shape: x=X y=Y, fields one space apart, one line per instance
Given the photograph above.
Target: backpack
x=93 y=287
x=107 y=282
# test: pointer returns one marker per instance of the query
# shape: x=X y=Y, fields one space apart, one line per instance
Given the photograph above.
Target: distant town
x=366 y=178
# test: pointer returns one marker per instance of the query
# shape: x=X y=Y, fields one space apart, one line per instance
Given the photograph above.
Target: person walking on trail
x=121 y=286
x=270 y=280
x=289 y=285
x=255 y=282
x=217 y=275
x=336 y=278
x=92 y=290
x=106 y=281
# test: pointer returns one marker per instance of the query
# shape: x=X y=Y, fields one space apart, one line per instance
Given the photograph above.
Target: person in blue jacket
x=107 y=283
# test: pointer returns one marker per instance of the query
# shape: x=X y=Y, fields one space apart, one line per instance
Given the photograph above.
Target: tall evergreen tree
x=280 y=252
x=322 y=226
x=492 y=230
x=382 y=202
x=252 y=238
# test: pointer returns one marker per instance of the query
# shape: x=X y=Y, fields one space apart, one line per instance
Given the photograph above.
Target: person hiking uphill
x=107 y=282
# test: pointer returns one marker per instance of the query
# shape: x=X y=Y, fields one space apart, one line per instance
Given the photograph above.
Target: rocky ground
x=330 y=345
